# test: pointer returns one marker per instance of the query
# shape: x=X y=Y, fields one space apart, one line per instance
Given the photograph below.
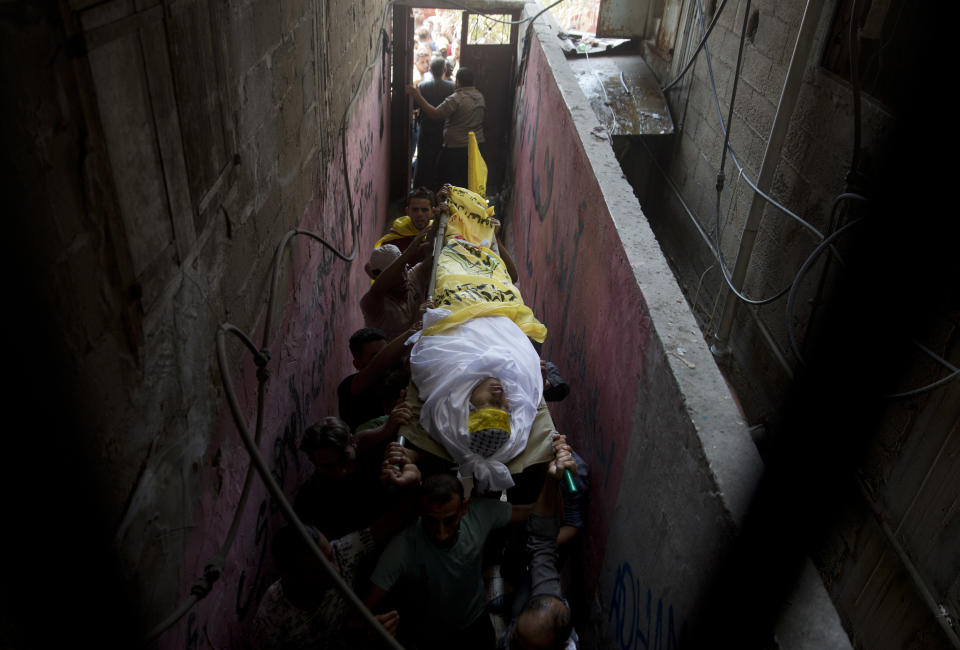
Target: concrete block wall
x=865 y=566
x=163 y=151
x=672 y=465
x=810 y=171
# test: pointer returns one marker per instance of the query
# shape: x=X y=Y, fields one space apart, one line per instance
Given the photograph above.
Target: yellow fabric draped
x=472 y=281
x=400 y=228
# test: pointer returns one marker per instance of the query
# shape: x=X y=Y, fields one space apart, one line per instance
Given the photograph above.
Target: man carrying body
x=392 y=304
x=304 y=610
x=438 y=561
x=344 y=494
x=419 y=212
x=462 y=112
x=544 y=622
x=375 y=357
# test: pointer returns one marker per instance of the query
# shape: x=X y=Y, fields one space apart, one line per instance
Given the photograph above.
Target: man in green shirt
x=436 y=564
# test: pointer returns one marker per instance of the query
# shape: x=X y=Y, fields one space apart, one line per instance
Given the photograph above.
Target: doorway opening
x=484 y=43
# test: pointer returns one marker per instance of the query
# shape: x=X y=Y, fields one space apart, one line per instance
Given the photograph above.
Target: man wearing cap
x=393 y=302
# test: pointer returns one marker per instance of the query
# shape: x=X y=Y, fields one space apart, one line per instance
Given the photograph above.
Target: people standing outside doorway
x=462 y=112
x=430 y=140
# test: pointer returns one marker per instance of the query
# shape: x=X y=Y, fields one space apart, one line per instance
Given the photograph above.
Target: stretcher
x=479 y=327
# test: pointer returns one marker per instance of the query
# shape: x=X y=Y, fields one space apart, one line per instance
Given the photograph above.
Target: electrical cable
x=733 y=155
x=791 y=298
x=277 y=493
x=214 y=568
x=683 y=204
x=854 y=46
x=354 y=226
x=726 y=273
x=940 y=382
x=700 y=46
x=720 y=176
x=733 y=98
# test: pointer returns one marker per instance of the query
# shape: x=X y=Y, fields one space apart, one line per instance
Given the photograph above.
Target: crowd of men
x=394 y=520
x=447 y=104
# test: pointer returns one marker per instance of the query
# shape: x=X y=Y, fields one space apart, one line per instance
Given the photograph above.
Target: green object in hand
x=568 y=481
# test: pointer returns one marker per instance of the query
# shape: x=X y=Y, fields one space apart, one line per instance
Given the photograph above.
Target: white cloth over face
x=447 y=367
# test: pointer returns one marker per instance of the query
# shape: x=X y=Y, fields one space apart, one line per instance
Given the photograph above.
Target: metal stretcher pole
x=437 y=248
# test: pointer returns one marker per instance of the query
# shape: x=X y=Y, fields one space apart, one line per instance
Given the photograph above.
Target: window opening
x=488 y=30
x=887 y=33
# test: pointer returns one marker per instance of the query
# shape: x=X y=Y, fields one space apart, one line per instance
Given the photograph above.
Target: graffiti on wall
x=633 y=620
x=309 y=347
x=577 y=278
x=559 y=205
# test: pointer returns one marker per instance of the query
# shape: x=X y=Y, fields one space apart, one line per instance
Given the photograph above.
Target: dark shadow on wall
x=61 y=585
x=901 y=274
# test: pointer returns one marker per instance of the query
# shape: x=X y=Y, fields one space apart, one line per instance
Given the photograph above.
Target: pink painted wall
x=672 y=465
x=317 y=310
x=576 y=277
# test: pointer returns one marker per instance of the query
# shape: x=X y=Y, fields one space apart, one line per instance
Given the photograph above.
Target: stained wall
x=160 y=152
x=672 y=466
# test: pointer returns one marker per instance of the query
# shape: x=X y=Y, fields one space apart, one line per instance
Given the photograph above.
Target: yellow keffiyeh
x=400 y=228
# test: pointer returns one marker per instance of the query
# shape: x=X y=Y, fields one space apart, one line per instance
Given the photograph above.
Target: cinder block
x=773 y=36
x=266 y=150
x=288 y=163
x=756 y=69
x=795 y=144
x=756 y=110
x=790 y=13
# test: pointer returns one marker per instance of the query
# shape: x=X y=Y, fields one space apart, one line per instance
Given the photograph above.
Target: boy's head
x=442 y=506
x=423 y=60
x=331 y=448
x=489 y=394
x=365 y=344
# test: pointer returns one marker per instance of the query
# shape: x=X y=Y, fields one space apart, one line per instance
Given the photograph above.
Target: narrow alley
x=712 y=220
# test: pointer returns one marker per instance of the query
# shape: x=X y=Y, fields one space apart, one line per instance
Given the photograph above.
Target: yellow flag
x=472 y=280
x=476 y=168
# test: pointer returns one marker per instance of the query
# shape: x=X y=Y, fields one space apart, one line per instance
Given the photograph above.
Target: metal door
x=494 y=65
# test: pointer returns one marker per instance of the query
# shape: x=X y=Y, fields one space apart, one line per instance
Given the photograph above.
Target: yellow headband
x=488 y=419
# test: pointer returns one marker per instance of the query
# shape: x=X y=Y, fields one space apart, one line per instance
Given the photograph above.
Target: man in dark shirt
x=344 y=493
x=355 y=392
x=462 y=112
x=431 y=131
x=544 y=622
